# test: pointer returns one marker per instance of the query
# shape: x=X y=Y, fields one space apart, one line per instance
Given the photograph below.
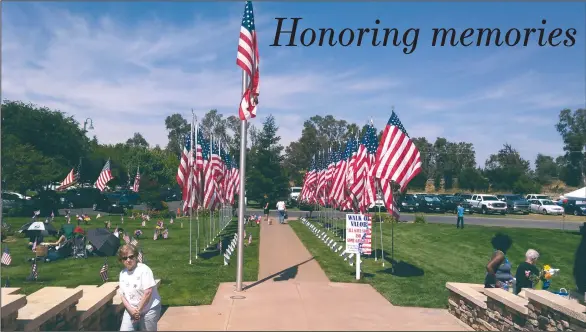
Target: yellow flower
x=546 y=267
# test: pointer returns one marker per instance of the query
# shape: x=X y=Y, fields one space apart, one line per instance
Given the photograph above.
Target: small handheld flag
x=104 y=271
x=34 y=272
x=6 y=258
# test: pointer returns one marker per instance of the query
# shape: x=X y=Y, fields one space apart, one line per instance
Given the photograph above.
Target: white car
x=545 y=206
x=295 y=192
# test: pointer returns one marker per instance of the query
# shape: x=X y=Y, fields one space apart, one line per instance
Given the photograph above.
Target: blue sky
x=129 y=65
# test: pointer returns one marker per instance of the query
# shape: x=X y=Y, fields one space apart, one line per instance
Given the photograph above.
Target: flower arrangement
x=543 y=280
x=137 y=233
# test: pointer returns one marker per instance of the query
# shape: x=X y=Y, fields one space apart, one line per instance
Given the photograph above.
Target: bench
x=11 y=303
x=93 y=308
x=50 y=309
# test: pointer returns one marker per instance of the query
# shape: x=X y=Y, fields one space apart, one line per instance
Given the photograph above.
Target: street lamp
x=91 y=122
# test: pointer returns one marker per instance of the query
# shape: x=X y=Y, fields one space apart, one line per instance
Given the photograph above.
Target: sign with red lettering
x=358 y=234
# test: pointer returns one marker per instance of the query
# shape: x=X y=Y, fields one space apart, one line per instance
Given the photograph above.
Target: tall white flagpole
x=242 y=193
x=199 y=193
x=190 y=183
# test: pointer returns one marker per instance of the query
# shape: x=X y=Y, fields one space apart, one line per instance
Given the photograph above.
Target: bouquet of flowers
x=137 y=233
x=543 y=280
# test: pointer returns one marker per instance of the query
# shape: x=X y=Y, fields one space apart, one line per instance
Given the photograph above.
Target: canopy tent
x=576 y=194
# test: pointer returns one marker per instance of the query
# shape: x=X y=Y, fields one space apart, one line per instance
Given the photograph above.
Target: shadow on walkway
x=286 y=274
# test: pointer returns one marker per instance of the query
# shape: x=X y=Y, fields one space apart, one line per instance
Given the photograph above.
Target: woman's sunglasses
x=127 y=257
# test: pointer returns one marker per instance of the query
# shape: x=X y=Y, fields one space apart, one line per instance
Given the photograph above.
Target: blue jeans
x=281 y=216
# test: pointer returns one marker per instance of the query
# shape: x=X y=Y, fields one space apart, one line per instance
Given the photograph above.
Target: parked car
x=408 y=203
x=429 y=203
x=515 y=203
x=10 y=201
x=294 y=194
x=537 y=196
x=545 y=206
x=451 y=204
x=104 y=204
x=575 y=207
x=488 y=204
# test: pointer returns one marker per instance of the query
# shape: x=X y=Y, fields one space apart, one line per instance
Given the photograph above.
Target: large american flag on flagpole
x=105 y=176
x=248 y=59
x=71 y=178
x=182 y=170
x=397 y=160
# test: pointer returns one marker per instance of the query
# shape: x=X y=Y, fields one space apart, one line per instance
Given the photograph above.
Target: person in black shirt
x=526 y=271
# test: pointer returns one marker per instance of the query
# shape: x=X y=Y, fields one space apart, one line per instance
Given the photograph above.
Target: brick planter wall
x=497 y=310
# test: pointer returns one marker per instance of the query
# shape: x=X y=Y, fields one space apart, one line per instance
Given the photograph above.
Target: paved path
x=293 y=293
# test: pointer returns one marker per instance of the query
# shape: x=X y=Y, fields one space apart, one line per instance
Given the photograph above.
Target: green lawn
x=181 y=284
x=429 y=255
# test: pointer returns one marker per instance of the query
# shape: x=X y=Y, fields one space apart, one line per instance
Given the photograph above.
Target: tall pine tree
x=265 y=174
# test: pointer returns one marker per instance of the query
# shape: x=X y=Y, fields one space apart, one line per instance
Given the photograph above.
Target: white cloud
x=128 y=78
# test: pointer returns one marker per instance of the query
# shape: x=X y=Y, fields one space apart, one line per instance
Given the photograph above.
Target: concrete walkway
x=293 y=293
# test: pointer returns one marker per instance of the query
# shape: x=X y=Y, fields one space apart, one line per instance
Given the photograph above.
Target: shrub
x=420 y=219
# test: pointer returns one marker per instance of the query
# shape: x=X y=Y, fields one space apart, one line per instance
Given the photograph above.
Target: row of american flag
x=207 y=174
x=105 y=176
x=349 y=179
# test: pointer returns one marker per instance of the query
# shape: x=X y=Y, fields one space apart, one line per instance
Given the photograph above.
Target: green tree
x=55 y=142
x=473 y=180
x=546 y=169
x=318 y=135
x=264 y=174
x=506 y=167
x=572 y=127
x=177 y=127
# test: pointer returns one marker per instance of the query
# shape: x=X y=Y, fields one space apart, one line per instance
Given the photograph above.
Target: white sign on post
x=358 y=237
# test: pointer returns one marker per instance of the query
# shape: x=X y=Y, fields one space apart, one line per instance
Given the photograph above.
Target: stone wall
x=498 y=310
x=84 y=308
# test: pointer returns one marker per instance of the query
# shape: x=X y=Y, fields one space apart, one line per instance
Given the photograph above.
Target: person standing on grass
x=498 y=269
x=460 y=220
x=139 y=293
x=281 y=208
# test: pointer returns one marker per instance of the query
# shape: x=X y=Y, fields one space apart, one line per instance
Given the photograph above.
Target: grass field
x=429 y=255
x=181 y=283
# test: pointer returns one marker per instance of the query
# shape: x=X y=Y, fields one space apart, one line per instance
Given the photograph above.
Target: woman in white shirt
x=138 y=291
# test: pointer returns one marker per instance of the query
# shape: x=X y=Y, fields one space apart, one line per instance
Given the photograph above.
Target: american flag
x=6 y=258
x=397 y=159
x=363 y=188
x=210 y=185
x=134 y=242
x=126 y=238
x=136 y=181
x=140 y=257
x=105 y=176
x=197 y=189
x=248 y=60
x=183 y=170
x=69 y=180
x=34 y=272
x=309 y=184
x=104 y=271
